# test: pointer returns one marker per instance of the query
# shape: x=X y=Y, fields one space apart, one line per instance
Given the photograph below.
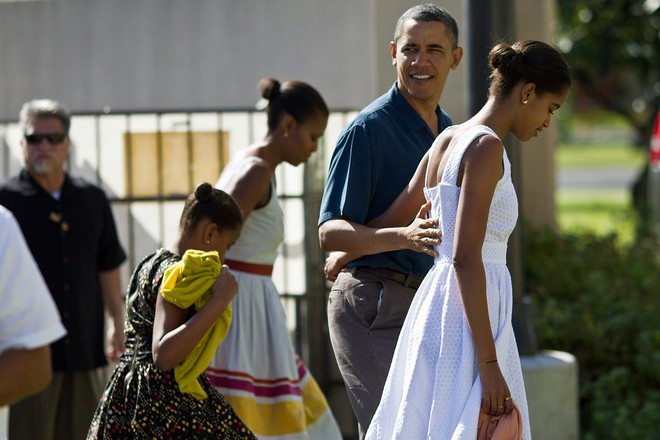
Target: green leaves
x=600 y=301
x=613 y=50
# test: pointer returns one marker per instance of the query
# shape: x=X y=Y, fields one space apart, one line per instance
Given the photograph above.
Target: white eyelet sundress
x=433 y=389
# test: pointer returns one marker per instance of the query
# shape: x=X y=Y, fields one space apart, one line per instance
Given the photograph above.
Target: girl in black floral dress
x=142 y=399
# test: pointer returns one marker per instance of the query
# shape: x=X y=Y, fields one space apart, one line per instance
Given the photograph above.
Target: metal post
x=485 y=25
x=479 y=42
x=315 y=325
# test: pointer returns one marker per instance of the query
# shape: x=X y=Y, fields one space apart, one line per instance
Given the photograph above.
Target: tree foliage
x=613 y=48
x=598 y=300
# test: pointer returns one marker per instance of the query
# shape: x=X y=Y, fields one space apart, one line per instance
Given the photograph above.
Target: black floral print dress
x=144 y=402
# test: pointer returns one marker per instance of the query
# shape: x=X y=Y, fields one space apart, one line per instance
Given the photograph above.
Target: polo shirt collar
x=34 y=186
x=410 y=116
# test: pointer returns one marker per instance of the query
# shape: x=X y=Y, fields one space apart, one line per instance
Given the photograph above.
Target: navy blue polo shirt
x=71 y=239
x=375 y=158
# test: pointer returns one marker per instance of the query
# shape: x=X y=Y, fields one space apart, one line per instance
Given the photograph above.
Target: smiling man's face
x=424 y=54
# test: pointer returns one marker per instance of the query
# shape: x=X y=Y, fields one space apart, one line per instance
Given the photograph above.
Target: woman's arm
x=174 y=337
x=482 y=169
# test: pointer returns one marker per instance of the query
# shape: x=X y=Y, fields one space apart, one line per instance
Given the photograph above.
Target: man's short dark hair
x=428 y=12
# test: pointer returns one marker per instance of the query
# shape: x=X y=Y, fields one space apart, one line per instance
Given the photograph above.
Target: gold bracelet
x=488 y=362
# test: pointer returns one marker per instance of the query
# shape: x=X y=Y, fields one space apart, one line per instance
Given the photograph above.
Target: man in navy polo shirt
x=375 y=158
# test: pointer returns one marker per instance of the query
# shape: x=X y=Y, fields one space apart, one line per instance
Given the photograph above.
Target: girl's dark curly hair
x=213 y=204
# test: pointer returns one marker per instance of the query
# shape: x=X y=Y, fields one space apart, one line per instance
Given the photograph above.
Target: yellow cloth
x=187 y=283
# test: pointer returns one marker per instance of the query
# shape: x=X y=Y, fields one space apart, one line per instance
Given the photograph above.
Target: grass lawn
x=604 y=155
x=594 y=209
x=599 y=212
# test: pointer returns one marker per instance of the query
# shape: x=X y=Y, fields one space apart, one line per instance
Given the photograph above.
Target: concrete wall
x=174 y=55
x=168 y=54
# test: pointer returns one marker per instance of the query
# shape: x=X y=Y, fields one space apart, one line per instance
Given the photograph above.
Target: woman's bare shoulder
x=483 y=158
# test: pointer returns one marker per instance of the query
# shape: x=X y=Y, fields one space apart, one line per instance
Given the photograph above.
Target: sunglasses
x=52 y=138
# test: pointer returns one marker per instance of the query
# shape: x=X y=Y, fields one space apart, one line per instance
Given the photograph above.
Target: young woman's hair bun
x=506 y=59
x=203 y=192
x=269 y=88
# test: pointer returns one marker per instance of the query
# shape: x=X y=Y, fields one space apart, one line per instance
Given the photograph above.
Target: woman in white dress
x=457 y=352
x=256 y=367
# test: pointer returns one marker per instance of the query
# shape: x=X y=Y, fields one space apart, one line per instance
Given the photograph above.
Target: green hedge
x=601 y=302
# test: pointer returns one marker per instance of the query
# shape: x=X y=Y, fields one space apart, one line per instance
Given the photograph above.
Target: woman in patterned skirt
x=144 y=397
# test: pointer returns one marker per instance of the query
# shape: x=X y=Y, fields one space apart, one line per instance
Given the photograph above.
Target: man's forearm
x=354 y=238
x=112 y=297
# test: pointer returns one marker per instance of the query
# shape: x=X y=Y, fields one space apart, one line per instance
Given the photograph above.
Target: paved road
x=596 y=178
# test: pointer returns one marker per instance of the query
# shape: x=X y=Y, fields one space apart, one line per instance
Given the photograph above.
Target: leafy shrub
x=600 y=301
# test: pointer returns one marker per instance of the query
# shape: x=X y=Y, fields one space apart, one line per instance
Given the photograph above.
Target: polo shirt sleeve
x=111 y=254
x=28 y=316
x=349 y=185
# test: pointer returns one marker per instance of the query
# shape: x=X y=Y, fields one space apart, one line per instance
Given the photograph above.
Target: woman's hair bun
x=506 y=59
x=269 y=88
x=203 y=192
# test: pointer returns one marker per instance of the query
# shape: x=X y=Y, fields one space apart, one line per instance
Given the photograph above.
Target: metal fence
x=147 y=162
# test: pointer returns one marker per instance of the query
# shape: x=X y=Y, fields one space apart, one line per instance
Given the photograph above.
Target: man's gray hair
x=44 y=108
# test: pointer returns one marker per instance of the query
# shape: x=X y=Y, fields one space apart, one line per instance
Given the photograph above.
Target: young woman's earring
x=525 y=102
